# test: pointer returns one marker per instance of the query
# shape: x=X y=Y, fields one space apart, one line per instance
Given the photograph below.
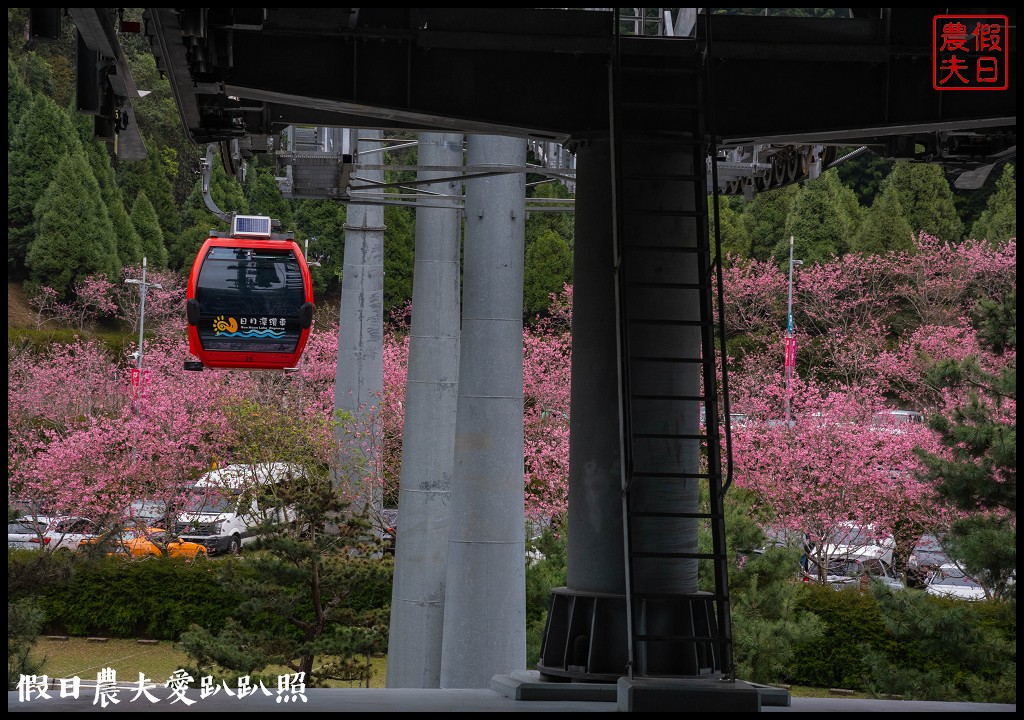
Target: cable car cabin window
x=249 y=300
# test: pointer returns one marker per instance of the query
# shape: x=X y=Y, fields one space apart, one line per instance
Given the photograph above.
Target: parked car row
x=853 y=552
x=82 y=534
x=220 y=513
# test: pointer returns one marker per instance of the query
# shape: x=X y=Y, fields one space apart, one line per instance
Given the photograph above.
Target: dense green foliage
x=999 y=219
x=926 y=199
x=885 y=227
x=129 y=244
x=43 y=137
x=147 y=225
x=75 y=237
x=546 y=572
x=24 y=622
x=110 y=596
x=823 y=218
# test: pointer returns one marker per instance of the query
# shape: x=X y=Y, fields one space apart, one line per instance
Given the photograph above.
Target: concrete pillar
x=428 y=442
x=359 y=378
x=485 y=599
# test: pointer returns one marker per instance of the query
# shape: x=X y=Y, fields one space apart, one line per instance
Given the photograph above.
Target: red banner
x=790 y=352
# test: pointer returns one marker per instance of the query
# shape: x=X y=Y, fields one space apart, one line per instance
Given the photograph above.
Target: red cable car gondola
x=250 y=299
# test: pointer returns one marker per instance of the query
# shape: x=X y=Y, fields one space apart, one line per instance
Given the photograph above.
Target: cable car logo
x=229 y=328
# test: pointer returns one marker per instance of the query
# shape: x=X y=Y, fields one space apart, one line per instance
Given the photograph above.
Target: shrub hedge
x=155 y=598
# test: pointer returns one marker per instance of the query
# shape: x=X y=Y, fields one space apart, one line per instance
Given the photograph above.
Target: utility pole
x=790 y=361
x=143 y=286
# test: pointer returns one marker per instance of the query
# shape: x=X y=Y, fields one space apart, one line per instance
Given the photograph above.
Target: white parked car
x=858 y=542
x=950 y=581
x=850 y=573
x=66 y=533
x=896 y=421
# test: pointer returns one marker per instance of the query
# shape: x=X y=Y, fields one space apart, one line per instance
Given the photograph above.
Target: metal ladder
x=664 y=274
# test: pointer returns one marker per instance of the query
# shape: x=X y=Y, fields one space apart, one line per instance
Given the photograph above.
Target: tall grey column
x=595 y=550
x=485 y=598
x=428 y=442
x=359 y=378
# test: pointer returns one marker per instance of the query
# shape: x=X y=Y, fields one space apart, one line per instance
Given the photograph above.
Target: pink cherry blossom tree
x=547 y=359
x=832 y=466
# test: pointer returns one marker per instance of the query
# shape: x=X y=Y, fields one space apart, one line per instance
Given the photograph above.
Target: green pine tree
x=129 y=244
x=322 y=223
x=316 y=594
x=197 y=221
x=863 y=174
x=765 y=221
x=399 y=255
x=43 y=137
x=884 y=229
x=147 y=225
x=548 y=247
x=264 y=197
x=152 y=176
x=547 y=268
x=75 y=237
x=927 y=199
x=18 y=98
x=735 y=239
x=998 y=222
x=980 y=474
x=823 y=219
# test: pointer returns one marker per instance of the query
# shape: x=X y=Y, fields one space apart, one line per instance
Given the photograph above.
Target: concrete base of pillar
x=678 y=695
x=529 y=685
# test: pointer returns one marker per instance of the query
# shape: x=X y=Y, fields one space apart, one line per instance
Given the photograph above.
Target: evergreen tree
x=18 y=98
x=45 y=135
x=822 y=220
x=197 y=221
x=884 y=228
x=322 y=222
x=558 y=222
x=999 y=220
x=147 y=225
x=399 y=255
x=548 y=267
x=864 y=175
x=980 y=477
x=315 y=597
x=926 y=199
x=37 y=74
x=548 y=243
x=264 y=197
x=75 y=237
x=765 y=221
x=129 y=244
x=152 y=177
x=734 y=237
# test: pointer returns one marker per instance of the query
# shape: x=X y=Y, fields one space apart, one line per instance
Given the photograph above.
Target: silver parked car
x=26 y=534
x=949 y=581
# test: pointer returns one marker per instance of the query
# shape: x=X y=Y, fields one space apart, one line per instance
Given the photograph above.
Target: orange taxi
x=150 y=543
